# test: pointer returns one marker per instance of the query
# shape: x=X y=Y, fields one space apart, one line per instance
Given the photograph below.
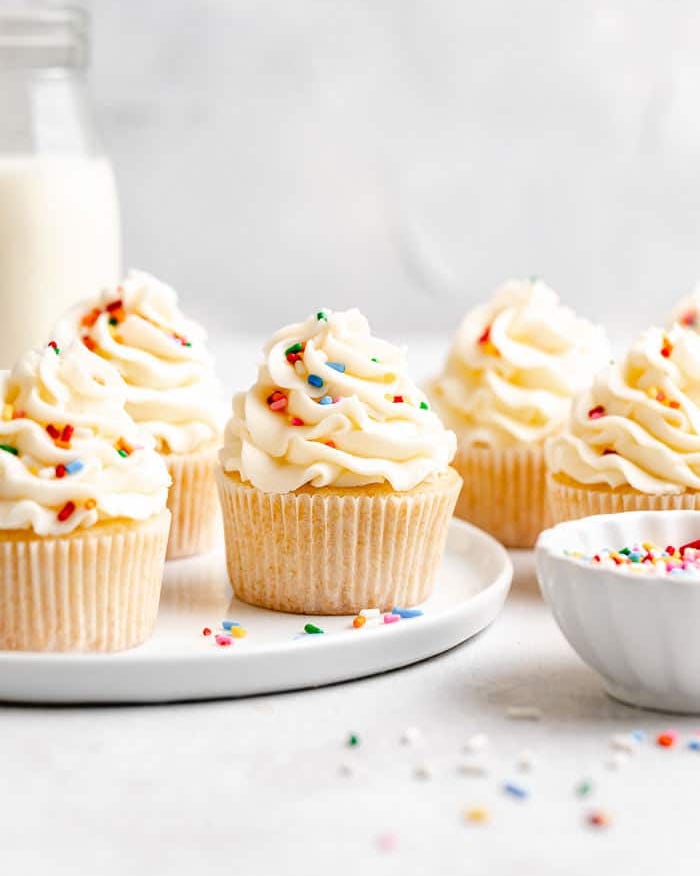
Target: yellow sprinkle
x=238 y=632
x=477 y=814
x=652 y=391
x=7 y=412
x=33 y=470
x=90 y=504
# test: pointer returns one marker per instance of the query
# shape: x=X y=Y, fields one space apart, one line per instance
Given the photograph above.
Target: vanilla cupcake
x=172 y=392
x=83 y=518
x=513 y=369
x=335 y=480
x=633 y=440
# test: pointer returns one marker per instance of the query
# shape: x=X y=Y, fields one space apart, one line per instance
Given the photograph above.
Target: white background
x=404 y=155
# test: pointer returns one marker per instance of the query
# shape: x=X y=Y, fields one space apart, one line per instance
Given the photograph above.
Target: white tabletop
x=258 y=786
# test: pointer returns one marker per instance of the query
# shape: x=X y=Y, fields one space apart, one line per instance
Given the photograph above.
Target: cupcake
x=633 y=440
x=335 y=476
x=513 y=369
x=83 y=518
x=172 y=392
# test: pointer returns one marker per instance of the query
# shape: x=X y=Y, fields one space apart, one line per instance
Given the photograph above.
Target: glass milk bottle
x=59 y=216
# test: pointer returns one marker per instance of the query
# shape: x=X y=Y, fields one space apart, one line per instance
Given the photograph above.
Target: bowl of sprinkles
x=625 y=592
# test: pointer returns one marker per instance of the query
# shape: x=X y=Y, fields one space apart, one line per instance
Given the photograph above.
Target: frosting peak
x=171 y=387
x=332 y=405
x=70 y=455
x=515 y=365
x=639 y=424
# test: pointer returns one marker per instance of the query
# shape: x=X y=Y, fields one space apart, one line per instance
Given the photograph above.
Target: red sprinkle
x=666 y=350
x=224 y=641
x=89 y=343
x=609 y=452
x=598 y=819
x=485 y=337
x=675 y=404
x=398 y=399
x=670 y=549
x=293 y=357
x=115 y=305
x=66 y=511
x=296 y=421
x=60 y=471
x=689 y=318
x=691 y=544
x=206 y=631
x=596 y=413
x=53 y=431
x=67 y=433
x=330 y=444
x=19 y=415
x=53 y=345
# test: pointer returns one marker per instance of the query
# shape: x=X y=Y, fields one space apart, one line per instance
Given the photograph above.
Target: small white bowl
x=640 y=631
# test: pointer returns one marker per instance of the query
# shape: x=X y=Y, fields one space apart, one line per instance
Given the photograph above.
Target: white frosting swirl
x=514 y=367
x=172 y=389
x=63 y=424
x=639 y=424
x=365 y=423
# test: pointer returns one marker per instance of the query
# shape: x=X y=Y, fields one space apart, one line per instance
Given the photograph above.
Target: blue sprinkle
x=515 y=790
x=407 y=612
x=326 y=400
x=639 y=735
x=315 y=380
x=694 y=744
x=226 y=625
x=338 y=366
x=75 y=466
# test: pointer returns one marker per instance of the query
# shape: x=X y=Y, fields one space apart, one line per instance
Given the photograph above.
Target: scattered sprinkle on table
x=359 y=621
x=667 y=739
x=206 y=631
x=312 y=629
x=476 y=768
x=391 y=618
x=387 y=842
x=407 y=612
x=353 y=740
x=515 y=790
x=694 y=745
x=598 y=819
x=584 y=788
x=477 y=815
x=223 y=641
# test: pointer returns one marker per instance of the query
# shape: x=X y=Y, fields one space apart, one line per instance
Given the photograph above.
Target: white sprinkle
x=473 y=768
x=345 y=769
x=524 y=713
x=525 y=761
x=370 y=612
x=619 y=759
x=477 y=743
x=410 y=736
x=300 y=368
x=423 y=771
x=623 y=742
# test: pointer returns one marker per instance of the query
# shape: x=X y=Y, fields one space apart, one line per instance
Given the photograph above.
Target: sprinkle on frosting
x=138 y=328
x=649 y=438
x=349 y=417
x=60 y=471
x=514 y=367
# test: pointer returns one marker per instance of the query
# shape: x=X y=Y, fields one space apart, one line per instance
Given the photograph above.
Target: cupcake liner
x=335 y=551
x=504 y=492
x=193 y=503
x=96 y=589
x=571 y=501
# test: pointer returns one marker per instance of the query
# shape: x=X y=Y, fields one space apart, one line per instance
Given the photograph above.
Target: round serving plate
x=180 y=663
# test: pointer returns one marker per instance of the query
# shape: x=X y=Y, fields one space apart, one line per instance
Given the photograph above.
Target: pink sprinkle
x=279 y=404
x=224 y=641
x=387 y=842
x=391 y=618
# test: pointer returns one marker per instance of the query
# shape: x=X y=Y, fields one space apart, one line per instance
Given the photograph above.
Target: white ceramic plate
x=179 y=663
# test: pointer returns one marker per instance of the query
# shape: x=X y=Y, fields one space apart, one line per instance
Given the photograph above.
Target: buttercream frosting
x=639 y=424
x=70 y=455
x=514 y=367
x=332 y=405
x=138 y=328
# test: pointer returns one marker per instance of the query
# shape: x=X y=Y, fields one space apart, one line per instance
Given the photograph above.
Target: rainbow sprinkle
x=645 y=558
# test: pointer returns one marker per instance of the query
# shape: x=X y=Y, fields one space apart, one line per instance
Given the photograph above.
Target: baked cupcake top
x=138 y=328
x=70 y=455
x=639 y=424
x=332 y=406
x=514 y=367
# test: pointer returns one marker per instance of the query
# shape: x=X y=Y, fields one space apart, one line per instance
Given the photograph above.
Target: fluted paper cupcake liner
x=335 y=551
x=570 y=501
x=193 y=502
x=96 y=589
x=504 y=492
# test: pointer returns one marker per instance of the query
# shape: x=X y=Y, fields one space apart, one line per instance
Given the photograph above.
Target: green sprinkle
x=187 y=344
x=374 y=359
x=584 y=789
x=8 y=449
x=311 y=628
x=321 y=315
x=295 y=348
x=113 y=321
x=626 y=551
x=353 y=740
x=122 y=452
x=424 y=406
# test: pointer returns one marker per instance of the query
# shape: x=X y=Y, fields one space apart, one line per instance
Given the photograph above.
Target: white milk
x=59 y=242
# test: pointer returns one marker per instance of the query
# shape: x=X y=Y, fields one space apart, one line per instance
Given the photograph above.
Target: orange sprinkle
x=89 y=320
x=89 y=343
x=90 y=504
x=359 y=621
